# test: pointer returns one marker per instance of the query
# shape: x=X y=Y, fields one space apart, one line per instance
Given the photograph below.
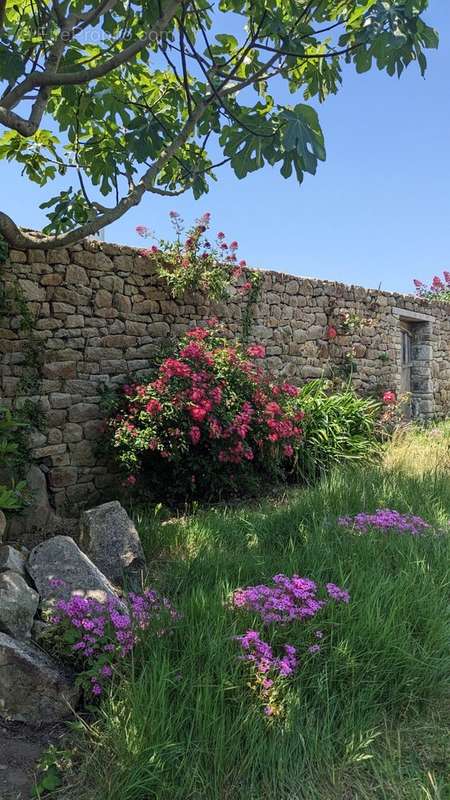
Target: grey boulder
x=110 y=538
x=18 y=605
x=60 y=570
x=33 y=688
x=39 y=515
x=12 y=559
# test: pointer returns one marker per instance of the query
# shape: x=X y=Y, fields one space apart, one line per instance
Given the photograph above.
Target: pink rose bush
x=438 y=289
x=210 y=417
x=196 y=261
x=286 y=608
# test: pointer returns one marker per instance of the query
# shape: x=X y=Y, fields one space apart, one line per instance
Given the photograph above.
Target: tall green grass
x=364 y=718
x=337 y=428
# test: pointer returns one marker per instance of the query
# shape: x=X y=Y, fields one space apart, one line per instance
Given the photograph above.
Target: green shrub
x=337 y=428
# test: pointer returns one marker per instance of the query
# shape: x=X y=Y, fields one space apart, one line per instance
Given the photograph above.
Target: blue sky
x=376 y=213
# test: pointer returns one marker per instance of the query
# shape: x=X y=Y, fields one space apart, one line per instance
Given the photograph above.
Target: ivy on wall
x=4 y=250
x=252 y=297
x=16 y=425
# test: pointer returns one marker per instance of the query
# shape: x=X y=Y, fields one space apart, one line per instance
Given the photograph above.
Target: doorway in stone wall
x=407 y=333
x=415 y=362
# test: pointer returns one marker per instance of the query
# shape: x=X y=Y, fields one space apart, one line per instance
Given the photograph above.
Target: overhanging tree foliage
x=154 y=96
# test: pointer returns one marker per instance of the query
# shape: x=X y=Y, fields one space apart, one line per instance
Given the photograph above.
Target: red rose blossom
x=256 y=351
x=389 y=398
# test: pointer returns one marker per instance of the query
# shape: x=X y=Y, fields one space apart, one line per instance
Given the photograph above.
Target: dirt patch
x=21 y=746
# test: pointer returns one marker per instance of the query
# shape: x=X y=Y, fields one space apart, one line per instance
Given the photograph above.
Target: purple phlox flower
x=104 y=627
x=315 y=648
x=260 y=654
x=386 y=520
x=120 y=621
x=287 y=600
x=338 y=594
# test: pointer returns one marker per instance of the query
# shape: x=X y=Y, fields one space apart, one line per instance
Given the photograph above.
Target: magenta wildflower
x=107 y=631
x=288 y=600
x=386 y=520
x=338 y=594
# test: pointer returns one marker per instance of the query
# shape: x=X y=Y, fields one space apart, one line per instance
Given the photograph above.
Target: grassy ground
x=365 y=719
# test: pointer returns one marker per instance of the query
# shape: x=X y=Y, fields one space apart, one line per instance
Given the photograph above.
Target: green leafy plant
x=139 y=97
x=350 y=321
x=337 y=428
x=52 y=766
x=14 y=497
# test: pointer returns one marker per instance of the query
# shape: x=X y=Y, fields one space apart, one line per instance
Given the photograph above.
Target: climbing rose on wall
x=211 y=416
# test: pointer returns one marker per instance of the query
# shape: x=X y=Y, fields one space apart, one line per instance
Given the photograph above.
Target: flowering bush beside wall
x=438 y=289
x=210 y=422
x=194 y=261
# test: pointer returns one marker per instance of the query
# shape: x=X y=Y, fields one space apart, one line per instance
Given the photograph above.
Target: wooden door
x=406 y=364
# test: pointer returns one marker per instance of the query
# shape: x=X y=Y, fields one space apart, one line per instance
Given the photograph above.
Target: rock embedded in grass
x=18 y=605
x=33 y=687
x=60 y=570
x=110 y=538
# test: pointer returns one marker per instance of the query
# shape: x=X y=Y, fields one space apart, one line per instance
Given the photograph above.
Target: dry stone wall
x=101 y=313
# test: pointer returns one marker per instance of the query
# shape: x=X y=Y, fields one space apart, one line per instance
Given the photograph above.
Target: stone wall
x=101 y=312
